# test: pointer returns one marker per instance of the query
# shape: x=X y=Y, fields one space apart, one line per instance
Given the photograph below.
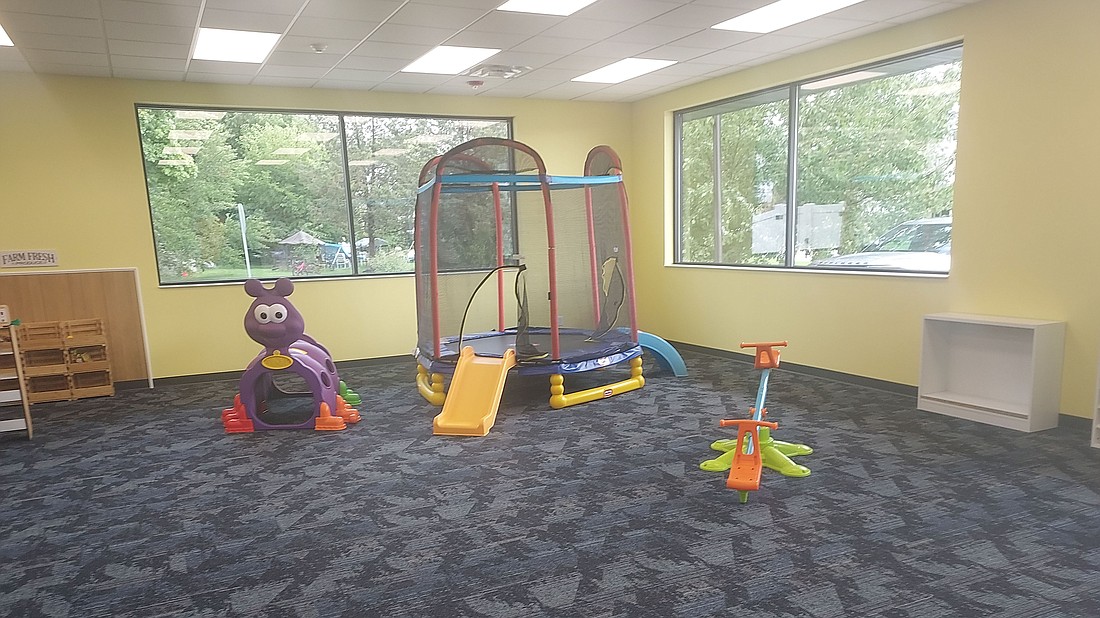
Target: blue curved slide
x=667 y=356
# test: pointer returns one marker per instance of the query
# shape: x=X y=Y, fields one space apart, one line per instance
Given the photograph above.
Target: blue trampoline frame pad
x=462 y=183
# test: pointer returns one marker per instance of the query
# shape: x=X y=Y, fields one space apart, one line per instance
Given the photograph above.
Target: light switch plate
x=5 y=317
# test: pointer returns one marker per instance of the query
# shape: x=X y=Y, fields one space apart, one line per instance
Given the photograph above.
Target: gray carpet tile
x=140 y=505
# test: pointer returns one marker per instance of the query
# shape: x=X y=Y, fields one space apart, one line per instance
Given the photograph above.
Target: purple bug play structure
x=273 y=322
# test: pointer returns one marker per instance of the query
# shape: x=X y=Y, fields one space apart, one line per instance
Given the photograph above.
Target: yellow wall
x=72 y=181
x=1025 y=218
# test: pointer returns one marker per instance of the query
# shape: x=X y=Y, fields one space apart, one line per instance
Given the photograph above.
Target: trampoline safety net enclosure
x=511 y=257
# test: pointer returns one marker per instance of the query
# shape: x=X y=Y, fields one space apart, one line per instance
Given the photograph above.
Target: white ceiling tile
x=287 y=82
x=400 y=51
x=16 y=23
x=124 y=73
x=652 y=35
x=47 y=56
x=423 y=14
x=403 y=88
x=149 y=50
x=881 y=10
x=149 y=13
x=398 y=33
x=332 y=47
x=613 y=50
x=217 y=78
x=591 y=30
x=367 y=42
x=673 y=52
x=215 y=67
x=365 y=63
x=278 y=7
x=354 y=75
x=354 y=10
x=302 y=59
x=712 y=39
x=551 y=45
x=340 y=84
x=320 y=27
x=630 y=11
x=517 y=23
x=149 y=64
x=70 y=69
x=180 y=35
x=14 y=64
x=241 y=20
x=822 y=27
x=772 y=44
x=36 y=40
x=473 y=4
x=496 y=40
x=695 y=16
x=527 y=59
x=54 y=7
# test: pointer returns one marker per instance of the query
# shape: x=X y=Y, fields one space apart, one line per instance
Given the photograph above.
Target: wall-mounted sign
x=16 y=259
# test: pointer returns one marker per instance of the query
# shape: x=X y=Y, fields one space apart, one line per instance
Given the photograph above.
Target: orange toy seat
x=745 y=468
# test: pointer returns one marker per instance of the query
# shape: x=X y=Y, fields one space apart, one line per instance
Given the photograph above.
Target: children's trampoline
x=527 y=272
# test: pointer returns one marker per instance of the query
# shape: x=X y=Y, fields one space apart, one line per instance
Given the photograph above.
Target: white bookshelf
x=1002 y=371
x=1096 y=418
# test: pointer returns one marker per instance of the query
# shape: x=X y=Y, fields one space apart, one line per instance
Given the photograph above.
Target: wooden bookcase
x=65 y=360
x=1002 y=371
x=12 y=389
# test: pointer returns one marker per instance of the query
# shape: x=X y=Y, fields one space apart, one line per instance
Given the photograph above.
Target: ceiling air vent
x=502 y=71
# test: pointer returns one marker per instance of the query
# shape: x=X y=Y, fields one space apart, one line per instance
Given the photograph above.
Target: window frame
x=348 y=203
x=794 y=90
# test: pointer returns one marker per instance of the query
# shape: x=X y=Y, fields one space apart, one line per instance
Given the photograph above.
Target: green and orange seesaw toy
x=754 y=448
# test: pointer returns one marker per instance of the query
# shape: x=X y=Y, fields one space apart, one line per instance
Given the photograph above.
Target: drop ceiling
x=366 y=43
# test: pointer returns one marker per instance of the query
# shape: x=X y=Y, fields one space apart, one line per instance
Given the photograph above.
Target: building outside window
x=830 y=173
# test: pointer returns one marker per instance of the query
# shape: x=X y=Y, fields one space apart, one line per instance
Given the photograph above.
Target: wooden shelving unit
x=12 y=387
x=65 y=360
x=1001 y=371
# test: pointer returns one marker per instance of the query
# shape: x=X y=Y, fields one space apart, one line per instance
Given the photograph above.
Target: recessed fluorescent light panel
x=545 y=7
x=623 y=70
x=839 y=80
x=782 y=14
x=5 y=40
x=234 y=45
x=449 y=60
x=272 y=162
x=196 y=114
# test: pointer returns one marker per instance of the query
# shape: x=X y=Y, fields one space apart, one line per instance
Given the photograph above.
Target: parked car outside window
x=922 y=245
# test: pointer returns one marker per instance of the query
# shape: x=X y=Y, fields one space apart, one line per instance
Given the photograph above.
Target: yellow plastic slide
x=474 y=396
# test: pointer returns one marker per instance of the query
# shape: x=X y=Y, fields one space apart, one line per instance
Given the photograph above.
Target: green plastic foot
x=774 y=454
x=350 y=396
x=744 y=496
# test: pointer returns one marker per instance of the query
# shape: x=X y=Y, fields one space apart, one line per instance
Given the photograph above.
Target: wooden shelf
x=13 y=384
x=66 y=360
x=1002 y=371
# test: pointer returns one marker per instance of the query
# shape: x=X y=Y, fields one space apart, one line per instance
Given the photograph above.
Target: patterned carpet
x=140 y=505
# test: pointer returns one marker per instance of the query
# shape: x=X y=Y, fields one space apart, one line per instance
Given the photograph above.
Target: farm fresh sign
x=15 y=259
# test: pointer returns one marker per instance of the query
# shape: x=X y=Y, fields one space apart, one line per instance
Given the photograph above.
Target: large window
x=236 y=194
x=853 y=171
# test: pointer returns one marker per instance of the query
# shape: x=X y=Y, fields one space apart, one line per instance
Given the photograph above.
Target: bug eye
x=278 y=313
x=262 y=313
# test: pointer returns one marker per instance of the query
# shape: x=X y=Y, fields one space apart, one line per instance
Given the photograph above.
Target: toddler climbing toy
x=754 y=448
x=275 y=323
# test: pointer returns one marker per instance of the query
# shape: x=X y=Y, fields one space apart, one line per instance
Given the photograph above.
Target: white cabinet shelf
x=1096 y=418
x=997 y=370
